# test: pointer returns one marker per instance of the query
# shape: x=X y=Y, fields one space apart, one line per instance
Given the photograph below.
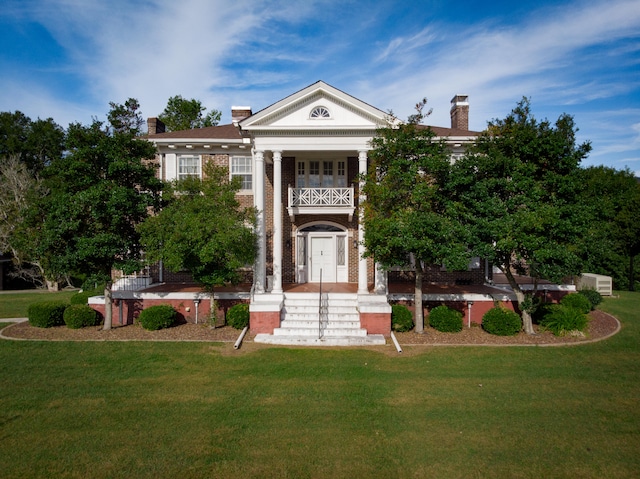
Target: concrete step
x=313 y=332
x=313 y=323
x=314 y=310
x=369 y=340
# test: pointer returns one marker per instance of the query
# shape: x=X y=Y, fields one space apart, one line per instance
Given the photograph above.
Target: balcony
x=319 y=201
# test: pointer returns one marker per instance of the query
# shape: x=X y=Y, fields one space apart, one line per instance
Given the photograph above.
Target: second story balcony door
x=321 y=174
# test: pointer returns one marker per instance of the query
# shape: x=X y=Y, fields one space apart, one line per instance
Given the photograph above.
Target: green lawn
x=15 y=305
x=184 y=410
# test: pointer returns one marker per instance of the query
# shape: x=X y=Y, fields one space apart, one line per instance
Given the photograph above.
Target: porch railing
x=321 y=197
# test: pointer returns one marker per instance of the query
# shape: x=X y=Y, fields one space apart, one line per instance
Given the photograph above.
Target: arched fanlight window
x=320 y=112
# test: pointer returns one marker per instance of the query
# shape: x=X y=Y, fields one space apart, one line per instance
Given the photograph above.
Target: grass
x=199 y=410
x=15 y=305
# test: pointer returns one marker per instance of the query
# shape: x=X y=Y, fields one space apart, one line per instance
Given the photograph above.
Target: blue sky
x=67 y=59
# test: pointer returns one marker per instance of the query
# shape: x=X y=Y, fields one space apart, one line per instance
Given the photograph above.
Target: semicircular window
x=323 y=228
x=319 y=113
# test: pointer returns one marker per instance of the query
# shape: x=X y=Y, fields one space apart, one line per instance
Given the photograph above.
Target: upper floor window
x=320 y=112
x=188 y=166
x=241 y=166
x=321 y=174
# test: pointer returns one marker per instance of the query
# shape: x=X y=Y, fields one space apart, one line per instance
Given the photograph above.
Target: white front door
x=322 y=257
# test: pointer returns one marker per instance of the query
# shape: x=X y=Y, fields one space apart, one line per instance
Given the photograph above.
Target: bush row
x=56 y=313
x=569 y=315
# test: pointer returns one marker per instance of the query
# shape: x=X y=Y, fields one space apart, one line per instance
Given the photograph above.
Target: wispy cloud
x=577 y=55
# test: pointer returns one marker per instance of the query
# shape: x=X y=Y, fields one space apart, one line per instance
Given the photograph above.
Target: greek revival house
x=299 y=160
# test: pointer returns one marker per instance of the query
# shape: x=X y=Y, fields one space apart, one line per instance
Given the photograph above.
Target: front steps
x=334 y=322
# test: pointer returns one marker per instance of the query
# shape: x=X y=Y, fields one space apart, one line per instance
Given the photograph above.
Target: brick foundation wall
x=185 y=308
x=376 y=323
x=261 y=322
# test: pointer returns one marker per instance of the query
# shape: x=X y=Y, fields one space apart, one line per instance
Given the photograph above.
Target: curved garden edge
x=601 y=326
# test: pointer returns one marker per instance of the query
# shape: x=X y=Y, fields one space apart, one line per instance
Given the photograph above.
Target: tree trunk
x=108 y=310
x=527 y=322
x=418 y=299
x=52 y=285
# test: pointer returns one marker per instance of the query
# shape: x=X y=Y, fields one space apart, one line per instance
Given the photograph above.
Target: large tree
x=202 y=229
x=97 y=193
x=519 y=187
x=183 y=114
x=612 y=241
x=408 y=219
x=36 y=143
x=19 y=192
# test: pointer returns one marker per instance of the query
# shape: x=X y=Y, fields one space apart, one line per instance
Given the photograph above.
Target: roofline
x=305 y=92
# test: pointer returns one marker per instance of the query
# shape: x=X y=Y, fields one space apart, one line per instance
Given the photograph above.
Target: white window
x=320 y=113
x=321 y=174
x=188 y=166
x=241 y=166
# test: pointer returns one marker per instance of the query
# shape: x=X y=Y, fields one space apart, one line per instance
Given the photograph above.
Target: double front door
x=322 y=259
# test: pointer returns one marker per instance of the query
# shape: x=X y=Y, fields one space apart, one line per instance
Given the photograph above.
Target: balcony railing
x=320 y=200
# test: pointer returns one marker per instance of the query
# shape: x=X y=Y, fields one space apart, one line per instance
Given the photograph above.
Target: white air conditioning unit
x=602 y=284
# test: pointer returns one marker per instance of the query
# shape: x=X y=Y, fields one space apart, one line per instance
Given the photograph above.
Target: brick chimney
x=239 y=113
x=155 y=126
x=460 y=112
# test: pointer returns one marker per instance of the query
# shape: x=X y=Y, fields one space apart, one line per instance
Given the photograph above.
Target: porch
x=194 y=305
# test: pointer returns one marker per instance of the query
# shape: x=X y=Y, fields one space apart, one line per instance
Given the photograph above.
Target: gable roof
x=275 y=115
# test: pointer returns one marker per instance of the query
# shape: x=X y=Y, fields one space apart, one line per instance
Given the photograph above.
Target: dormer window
x=320 y=113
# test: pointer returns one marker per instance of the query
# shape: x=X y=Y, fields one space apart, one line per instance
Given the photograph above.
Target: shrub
x=577 y=301
x=79 y=316
x=445 y=319
x=157 y=317
x=561 y=319
x=401 y=318
x=82 y=297
x=46 y=314
x=592 y=295
x=238 y=316
x=501 y=322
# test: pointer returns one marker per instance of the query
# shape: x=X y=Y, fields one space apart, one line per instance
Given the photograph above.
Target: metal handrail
x=320 y=308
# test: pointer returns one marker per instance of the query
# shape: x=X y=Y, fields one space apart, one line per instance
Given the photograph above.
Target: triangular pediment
x=317 y=107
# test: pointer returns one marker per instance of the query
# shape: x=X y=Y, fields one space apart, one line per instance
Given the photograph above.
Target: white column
x=381 y=280
x=277 y=222
x=261 y=260
x=362 y=262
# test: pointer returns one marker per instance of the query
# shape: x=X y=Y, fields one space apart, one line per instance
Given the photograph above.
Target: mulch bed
x=601 y=325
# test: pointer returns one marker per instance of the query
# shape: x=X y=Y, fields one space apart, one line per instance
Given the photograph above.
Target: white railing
x=132 y=282
x=321 y=197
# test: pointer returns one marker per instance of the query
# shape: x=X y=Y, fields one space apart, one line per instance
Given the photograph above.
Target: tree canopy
x=407 y=216
x=612 y=242
x=202 y=229
x=518 y=189
x=183 y=114
x=36 y=143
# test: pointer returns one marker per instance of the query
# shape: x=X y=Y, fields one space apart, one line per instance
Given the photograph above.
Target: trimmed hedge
x=82 y=297
x=46 y=314
x=79 y=316
x=561 y=319
x=157 y=317
x=577 y=301
x=445 y=319
x=401 y=318
x=238 y=316
x=593 y=296
x=501 y=322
